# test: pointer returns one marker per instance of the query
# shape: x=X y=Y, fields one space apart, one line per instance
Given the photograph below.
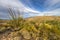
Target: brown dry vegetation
x=35 y=28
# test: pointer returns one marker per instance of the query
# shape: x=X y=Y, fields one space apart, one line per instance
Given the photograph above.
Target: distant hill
x=37 y=18
x=41 y=18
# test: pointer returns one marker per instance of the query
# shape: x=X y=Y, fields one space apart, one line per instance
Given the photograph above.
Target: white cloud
x=18 y=5
x=51 y=4
x=14 y=4
x=55 y=12
x=11 y=3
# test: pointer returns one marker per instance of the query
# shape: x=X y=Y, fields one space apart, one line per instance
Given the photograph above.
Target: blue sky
x=31 y=7
x=42 y=5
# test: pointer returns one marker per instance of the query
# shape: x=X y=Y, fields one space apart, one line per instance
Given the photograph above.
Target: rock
x=25 y=34
x=16 y=38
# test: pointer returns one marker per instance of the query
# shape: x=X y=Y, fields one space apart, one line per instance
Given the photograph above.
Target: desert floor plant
x=16 y=20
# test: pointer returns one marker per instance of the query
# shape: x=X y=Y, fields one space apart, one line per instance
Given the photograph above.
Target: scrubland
x=35 y=28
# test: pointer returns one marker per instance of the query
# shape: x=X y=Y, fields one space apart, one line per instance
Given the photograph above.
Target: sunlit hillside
x=34 y=28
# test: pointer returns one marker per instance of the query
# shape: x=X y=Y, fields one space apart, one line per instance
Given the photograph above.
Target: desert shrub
x=16 y=20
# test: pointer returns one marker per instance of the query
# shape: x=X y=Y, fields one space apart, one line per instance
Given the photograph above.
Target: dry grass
x=35 y=28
